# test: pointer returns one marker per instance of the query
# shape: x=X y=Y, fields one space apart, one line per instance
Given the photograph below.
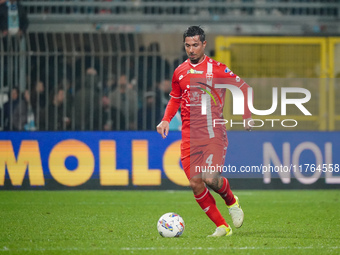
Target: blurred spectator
x=67 y=86
x=13 y=18
x=58 y=113
x=86 y=103
x=105 y=10
x=149 y=115
x=163 y=91
x=124 y=99
x=38 y=102
x=152 y=67
x=109 y=84
x=176 y=122
x=112 y=118
x=30 y=123
x=13 y=21
x=180 y=59
x=15 y=110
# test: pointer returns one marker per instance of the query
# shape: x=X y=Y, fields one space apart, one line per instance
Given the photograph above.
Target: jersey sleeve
x=171 y=109
x=176 y=91
x=175 y=100
x=244 y=87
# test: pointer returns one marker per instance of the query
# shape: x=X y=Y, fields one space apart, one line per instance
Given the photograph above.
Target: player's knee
x=209 y=181
x=212 y=182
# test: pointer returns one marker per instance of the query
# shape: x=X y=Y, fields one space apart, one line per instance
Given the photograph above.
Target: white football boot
x=236 y=213
x=222 y=231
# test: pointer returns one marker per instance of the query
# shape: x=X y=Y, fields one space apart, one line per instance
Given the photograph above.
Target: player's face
x=194 y=48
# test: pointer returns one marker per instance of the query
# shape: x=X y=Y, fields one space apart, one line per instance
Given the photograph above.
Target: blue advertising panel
x=139 y=160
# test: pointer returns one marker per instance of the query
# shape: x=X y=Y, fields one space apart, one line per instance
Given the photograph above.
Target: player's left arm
x=225 y=72
x=249 y=123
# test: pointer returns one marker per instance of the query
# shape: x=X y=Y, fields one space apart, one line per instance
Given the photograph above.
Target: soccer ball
x=170 y=225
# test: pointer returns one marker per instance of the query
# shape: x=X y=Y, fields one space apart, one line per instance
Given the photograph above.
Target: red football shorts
x=207 y=158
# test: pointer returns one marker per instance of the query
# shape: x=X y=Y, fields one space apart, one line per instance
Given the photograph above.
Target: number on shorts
x=209 y=160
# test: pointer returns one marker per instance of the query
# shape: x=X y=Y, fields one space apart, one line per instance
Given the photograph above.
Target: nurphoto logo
x=239 y=100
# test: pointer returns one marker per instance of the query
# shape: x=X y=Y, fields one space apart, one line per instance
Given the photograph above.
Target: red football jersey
x=194 y=85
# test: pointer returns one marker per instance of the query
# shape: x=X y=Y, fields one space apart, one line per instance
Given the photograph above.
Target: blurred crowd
x=88 y=92
x=91 y=106
x=76 y=93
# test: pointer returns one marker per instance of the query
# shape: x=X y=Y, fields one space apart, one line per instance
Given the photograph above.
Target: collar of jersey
x=194 y=65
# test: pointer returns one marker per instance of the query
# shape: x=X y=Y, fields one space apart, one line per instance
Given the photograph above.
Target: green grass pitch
x=124 y=222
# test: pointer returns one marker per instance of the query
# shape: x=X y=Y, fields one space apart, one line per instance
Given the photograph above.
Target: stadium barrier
x=142 y=160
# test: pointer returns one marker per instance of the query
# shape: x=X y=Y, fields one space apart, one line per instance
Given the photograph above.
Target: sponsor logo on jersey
x=209 y=93
x=181 y=77
x=227 y=70
x=193 y=71
x=194 y=97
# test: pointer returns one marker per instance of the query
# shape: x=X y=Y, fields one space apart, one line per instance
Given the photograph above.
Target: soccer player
x=204 y=144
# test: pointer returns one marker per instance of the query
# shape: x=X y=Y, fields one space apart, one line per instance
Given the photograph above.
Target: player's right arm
x=163 y=128
x=171 y=108
x=170 y=112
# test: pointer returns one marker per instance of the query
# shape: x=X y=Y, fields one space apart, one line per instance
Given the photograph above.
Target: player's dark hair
x=194 y=30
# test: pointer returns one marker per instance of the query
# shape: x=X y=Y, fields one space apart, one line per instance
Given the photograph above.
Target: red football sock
x=208 y=204
x=226 y=193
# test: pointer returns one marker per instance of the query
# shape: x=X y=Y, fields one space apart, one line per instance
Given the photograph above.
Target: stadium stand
x=114 y=56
